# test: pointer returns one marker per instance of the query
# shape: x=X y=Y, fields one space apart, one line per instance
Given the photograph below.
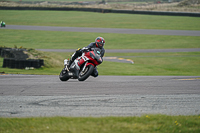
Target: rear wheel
x=64 y=75
x=84 y=74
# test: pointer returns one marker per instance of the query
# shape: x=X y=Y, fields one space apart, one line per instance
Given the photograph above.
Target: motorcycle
x=82 y=67
x=3 y=24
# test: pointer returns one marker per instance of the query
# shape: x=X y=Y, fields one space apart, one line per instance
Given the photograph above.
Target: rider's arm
x=91 y=45
x=87 y=47
x=102 y=52
x=84 y=49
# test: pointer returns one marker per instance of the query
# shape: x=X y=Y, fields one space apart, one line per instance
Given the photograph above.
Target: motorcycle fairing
x=95 y=57
x=79 y=61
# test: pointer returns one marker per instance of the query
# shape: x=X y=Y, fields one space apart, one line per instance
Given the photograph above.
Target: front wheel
x=84 y=74
x=64 y=75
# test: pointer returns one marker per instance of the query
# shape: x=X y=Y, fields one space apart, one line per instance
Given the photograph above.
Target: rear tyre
x=64 y=75
x=83 y=75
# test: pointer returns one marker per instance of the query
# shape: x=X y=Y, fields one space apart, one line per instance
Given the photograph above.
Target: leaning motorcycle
x=82 y=67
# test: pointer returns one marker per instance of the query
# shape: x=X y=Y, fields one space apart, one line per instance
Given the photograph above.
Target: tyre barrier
x=22 y=64
x=13 y=53
x=16 y=58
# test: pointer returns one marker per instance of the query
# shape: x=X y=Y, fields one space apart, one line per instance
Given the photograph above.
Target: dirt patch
x=184 y=6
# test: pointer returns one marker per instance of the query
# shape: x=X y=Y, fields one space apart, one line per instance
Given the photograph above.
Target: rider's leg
x=95 y=72
x=75 y=55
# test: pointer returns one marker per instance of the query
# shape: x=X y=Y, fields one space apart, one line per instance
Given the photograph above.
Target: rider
x=99 y=43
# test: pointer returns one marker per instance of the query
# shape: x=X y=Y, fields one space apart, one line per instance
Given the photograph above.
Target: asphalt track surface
x=46 y=95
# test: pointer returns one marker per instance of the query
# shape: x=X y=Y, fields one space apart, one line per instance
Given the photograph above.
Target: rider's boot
x=74 y=56
x=69 y=63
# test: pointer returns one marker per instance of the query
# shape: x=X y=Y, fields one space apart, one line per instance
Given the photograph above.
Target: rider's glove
x=78 y=49
x=84 y=49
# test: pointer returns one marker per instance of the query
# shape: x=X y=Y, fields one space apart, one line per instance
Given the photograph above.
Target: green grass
x=146 y=123
x=180 y=64
x=107 y=20
x=74 y=40
x=145 y=63
x=155 y=64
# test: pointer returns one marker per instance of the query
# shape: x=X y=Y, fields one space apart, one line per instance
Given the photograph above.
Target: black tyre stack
x=16 y=58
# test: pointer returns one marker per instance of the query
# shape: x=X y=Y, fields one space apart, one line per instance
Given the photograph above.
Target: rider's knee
x=95 y=73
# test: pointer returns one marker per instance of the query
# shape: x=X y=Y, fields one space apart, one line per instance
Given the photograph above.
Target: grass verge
x=74 y=40
x=146 y=123
x=155 y=64
x=101 y=20
x=179 y=64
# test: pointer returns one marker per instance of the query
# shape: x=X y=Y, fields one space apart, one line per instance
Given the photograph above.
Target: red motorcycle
x=82 y=67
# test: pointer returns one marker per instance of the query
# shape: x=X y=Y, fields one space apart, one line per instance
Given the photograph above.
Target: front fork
x=66 y=63
x=74 y=68
x=84 y=66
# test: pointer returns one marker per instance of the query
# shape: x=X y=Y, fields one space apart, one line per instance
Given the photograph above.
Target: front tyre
x=84 y=74
x=64 y=75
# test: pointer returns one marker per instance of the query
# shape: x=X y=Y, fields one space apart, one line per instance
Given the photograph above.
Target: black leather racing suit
x=79 y=53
